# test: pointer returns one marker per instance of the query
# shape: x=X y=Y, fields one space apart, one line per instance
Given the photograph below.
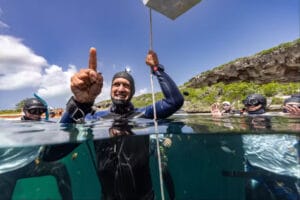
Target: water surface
x=207 y=158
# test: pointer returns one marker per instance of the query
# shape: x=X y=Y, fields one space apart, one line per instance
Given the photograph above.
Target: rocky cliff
x=281 y=64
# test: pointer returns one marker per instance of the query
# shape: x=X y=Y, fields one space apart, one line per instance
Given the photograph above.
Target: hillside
x=281 y=63
x=274 y=73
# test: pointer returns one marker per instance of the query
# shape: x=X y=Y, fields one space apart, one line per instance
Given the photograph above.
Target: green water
x=194 y=161
x=201 y=152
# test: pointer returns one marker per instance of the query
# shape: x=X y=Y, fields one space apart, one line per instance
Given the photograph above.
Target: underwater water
x=232 y=158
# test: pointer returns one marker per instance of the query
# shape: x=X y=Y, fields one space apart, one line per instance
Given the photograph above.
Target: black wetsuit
x=123 y=162
x=123 y=167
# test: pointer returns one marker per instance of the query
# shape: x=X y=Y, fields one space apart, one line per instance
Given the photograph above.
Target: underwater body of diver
x=262 y=180
x=28 y=162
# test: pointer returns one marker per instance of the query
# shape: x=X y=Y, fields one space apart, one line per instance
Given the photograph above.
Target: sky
x=43 y=43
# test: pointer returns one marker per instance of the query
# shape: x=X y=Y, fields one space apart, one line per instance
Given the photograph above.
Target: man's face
x=120 y=89
x=34 y=114
x=226 y=106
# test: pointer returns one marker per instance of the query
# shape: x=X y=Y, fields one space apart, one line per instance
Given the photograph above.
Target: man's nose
x=121 y=87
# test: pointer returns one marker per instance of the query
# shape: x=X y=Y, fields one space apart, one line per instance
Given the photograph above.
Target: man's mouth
x=254 y=108
x=120 y=97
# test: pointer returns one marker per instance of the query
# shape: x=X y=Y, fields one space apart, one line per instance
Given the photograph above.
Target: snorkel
x=45 y=104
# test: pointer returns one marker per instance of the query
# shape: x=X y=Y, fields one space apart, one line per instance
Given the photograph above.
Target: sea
x=189 y=156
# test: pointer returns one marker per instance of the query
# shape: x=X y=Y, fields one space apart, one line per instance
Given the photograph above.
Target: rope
x=155 y=117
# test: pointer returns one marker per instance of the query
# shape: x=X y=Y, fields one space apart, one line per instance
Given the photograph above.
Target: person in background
x=33 y=109
x=86 y=85
x=226 y=109
x=255 y=104
x=270 y=175
x=32 y=161
x=52 y=112
x=291 y=105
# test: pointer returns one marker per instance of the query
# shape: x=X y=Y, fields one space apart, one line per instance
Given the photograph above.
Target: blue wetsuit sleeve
x=172 y=101
x=66 y=118
x=76 y=111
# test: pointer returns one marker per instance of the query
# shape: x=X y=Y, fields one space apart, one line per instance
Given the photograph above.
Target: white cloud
x=105 y=93
x=56 y=82
x=55 y=86
x=19 y=66
x=19 y=80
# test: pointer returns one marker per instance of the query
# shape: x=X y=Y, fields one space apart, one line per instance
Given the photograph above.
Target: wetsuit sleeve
x=172 y=101
x=66 y=118
x=76 y=112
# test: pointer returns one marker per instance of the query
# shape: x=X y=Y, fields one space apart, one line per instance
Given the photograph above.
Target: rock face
x=281 y=64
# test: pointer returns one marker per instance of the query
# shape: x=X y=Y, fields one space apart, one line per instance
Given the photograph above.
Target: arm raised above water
x=86 y=85
x=173 y=99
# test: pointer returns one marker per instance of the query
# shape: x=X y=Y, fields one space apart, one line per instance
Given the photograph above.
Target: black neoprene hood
x=127 y=76
x=294 y=99
x=33 y=103
x=253 y=99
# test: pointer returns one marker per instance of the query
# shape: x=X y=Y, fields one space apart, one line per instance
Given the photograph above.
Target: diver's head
x=226 y=106
x=255 y=104
x=293 y=101
x=122 y=88
x=33 y=109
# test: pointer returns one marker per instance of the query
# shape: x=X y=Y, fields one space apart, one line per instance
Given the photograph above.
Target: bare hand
x=87 y=84
x=214 y=109
x=152 y=59
x=294 y=110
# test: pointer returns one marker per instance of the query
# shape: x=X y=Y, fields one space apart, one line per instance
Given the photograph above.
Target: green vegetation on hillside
x=283 y=45
x=200 y=99
x=238 y=91
x=11 y=111
x=17 y=109
x=145 y=99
